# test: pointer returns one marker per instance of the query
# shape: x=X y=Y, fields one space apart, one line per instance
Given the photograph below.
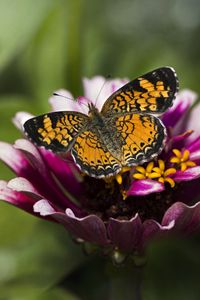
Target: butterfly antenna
x=72 y=99
x=105 y=81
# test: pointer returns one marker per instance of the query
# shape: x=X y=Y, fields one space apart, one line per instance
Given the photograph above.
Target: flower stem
x=138 y=284
x=126 y=283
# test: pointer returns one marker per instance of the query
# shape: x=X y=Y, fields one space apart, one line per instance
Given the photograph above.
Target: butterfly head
x=92 y=109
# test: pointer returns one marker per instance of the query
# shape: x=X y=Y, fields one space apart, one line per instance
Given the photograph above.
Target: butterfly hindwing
x=93 y=157
x=57 y=130
x=142 y=137
x=151 y=93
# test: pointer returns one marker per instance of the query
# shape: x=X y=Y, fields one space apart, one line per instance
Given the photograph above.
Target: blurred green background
x=46 y=45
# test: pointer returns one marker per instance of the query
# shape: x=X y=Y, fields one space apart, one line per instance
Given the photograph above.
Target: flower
x=159 y=172
x=120 y=214
x=182 y=159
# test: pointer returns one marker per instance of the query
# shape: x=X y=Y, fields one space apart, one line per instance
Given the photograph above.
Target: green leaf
x=173 y=270
x=16 y=225
x=19 y=22
x=24 y=292
x=41 y=259
x=10 y=105
x=55 y=48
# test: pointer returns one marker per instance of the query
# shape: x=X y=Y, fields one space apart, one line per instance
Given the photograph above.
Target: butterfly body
x=104 y=128
x=124 y=133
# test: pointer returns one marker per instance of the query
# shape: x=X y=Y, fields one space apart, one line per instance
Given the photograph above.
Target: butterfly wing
x=151 y=93
x=142 y=137
x=57 y=130
x=92 y=157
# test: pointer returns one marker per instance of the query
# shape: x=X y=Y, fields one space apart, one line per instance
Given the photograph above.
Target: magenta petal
x=83 y=100
x=63 y=171
x=21 y=184
x=189 y=174
x=90 y=228
x=171 y=118
x=38 y=172
x=193 y=121
x=19 y=199
x=12 y=157
x=32 y=153
x=194 y=145
x=144 y=187
x=181 y=137
x=186 y=217
x=125 y=234
x=181 y=105
x=194 y=148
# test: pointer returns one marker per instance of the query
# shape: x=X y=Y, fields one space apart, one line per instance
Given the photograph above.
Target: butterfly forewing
x=151 y=93
x=57 y=130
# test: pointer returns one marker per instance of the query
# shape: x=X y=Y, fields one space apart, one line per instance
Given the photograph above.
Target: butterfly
x=125 y=132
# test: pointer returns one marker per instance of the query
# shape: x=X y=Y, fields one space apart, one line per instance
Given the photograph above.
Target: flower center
x=106 y=200
x=108 y=197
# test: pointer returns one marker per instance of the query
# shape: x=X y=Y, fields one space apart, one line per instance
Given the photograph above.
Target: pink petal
x=44 y=208
x=67 y=104
x=193 y=122
x=12 y=157
x=98 y=89
x=20 y=118
x=27 y=162
x=90 y=228
x=125 y=234
x=185 y=97
x=189 y=174
x=145 y=187
x=25 y=165
x=61 y=103
x=194 y=148
x=181 y=104
x=21 y=184
x=31 y=152
x=19 y=199
x=92 y=87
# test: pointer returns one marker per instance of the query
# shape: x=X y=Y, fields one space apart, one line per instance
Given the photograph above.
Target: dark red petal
x=90 y=228
x=186 y=218
x=125 y=234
